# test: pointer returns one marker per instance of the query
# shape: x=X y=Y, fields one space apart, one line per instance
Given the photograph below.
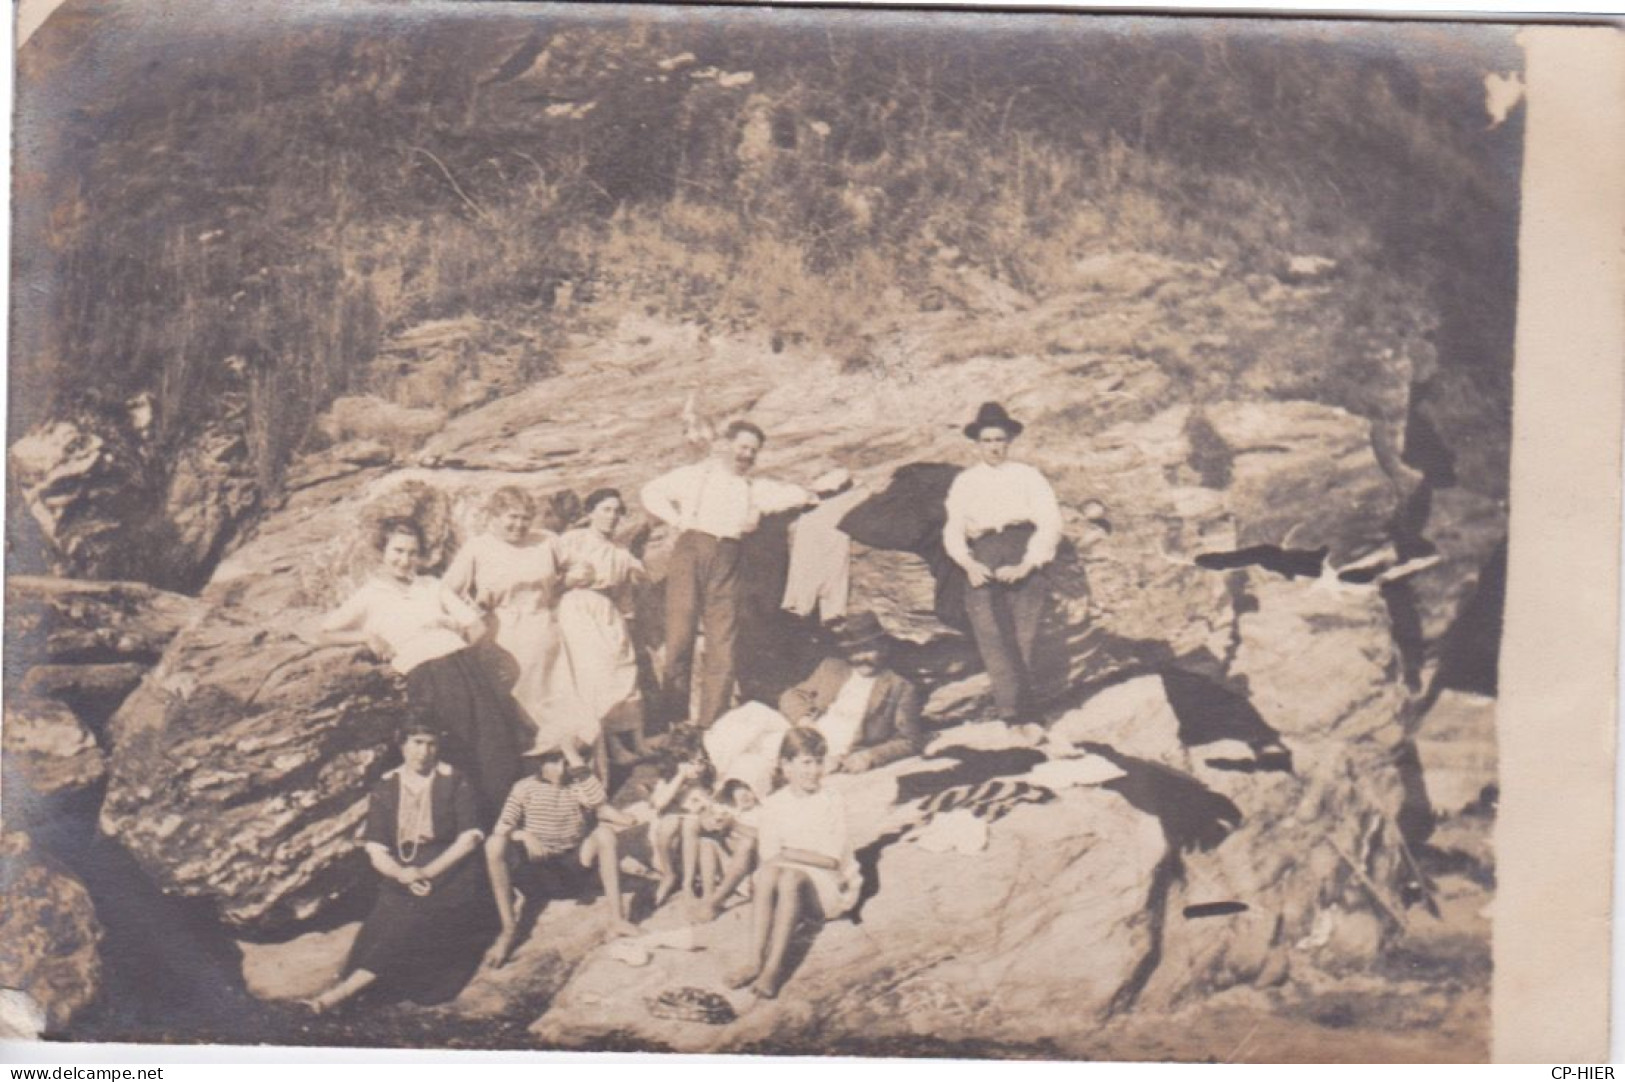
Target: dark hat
x=992 y=415
x=859 y=629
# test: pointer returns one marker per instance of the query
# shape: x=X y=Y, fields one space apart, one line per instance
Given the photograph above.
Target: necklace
x=416 y=819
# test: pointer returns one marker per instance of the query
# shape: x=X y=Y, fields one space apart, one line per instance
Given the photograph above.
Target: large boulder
x=1320 y=844
x=242 y=779
x=49 y=934
x=211 y=496
x=240 y=768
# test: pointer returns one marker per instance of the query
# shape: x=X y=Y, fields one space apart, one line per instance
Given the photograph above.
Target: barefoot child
x=558 y=822
x=727 y=844
x=806 y=866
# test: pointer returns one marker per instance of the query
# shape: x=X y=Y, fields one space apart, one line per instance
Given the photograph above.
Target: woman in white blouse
x=1004 y=524
x=422 y=629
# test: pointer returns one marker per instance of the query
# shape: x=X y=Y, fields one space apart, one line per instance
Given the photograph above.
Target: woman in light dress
x=600 y=660
x=513 y=577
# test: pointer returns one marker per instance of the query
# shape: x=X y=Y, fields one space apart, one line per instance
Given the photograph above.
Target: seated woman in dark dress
x=433 y=917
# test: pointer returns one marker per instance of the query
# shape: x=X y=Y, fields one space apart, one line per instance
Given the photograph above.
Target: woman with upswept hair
x=512 y=575
x=423 y=630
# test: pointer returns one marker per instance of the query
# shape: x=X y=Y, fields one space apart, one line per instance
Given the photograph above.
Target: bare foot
x=765 y=989
x=667 y=887
x=620 y=926
x=500 y=951
x=742 y=977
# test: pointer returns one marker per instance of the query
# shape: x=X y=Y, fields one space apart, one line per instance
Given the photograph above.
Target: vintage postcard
x=811 y=531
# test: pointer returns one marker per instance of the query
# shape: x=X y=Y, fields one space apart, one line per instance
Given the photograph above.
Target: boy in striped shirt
x=558 y=823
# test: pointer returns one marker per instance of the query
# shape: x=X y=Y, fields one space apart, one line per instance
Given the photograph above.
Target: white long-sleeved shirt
x=418 y=620
x=986 y=498
x=712 y=499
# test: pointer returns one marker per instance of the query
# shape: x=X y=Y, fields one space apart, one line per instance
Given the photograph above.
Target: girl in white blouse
x=805 y=861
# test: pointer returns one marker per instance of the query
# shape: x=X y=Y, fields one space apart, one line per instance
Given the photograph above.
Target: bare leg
x=793 y=886
x=496 y=866
x=342 y=992
x=710 y=867
x=761 y=921
x=662 y=834
x=599 y=848
x=739 y=863
x=691 y=852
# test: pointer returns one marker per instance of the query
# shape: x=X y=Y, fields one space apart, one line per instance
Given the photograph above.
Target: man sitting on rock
x=869 y=715
x=560 y=824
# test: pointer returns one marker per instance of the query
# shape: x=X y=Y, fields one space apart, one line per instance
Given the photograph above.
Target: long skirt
x=530 y=651
x=480 y=724
x=426 y=948
x=601 y=661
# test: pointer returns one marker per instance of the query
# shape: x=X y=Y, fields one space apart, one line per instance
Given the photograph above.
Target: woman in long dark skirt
x=433 y=917
x=422 y=628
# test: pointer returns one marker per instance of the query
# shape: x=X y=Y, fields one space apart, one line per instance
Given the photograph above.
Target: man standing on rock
x=1003 y=528
x=711 y=505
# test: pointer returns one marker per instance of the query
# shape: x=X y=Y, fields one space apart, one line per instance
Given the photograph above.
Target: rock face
x=109 y=504
x=48 y=934
x=47 y=749
x=84 y=483
x=1199 y=576
x=248 y=792
x=76 y=622
x=1455 y=742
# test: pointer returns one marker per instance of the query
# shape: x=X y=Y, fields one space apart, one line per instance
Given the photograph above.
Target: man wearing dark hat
x=1003 y=528
x=868 y=714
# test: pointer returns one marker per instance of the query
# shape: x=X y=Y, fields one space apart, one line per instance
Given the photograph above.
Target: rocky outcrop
x=49 y=934
x=75 y=622
x=109 y=503
x=1455 y=743
x=85 y=484
x=1318 y=794
x=243 y=778
x=1200 y=578
x=47 y=751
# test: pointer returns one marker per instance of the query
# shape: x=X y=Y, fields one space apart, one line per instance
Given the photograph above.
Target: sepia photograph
x=861 y=532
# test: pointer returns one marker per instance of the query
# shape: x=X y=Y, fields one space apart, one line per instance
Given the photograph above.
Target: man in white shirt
x=712 y=505
x=1004 y=524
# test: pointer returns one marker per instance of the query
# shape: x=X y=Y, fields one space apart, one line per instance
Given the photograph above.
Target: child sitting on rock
x=805 y=861
x=727 y=829
x=678 y=802
x=559 y=824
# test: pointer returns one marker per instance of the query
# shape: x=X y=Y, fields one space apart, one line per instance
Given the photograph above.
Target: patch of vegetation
x=263 y=216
